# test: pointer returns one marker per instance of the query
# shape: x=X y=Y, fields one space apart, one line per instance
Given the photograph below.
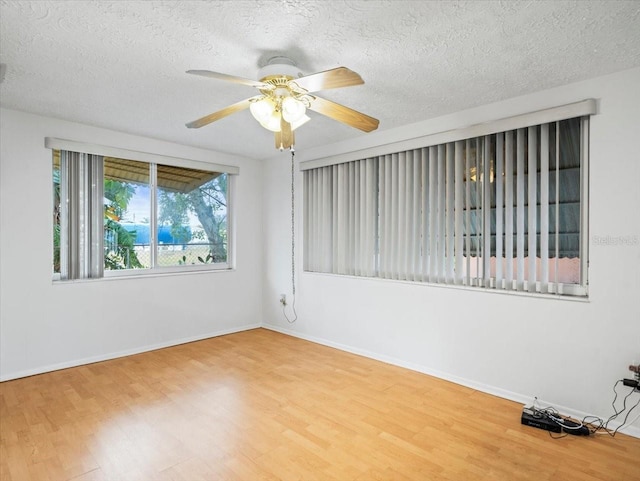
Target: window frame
x=153 y=160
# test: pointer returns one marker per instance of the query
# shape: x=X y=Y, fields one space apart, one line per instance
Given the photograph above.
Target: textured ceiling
x=121 y=64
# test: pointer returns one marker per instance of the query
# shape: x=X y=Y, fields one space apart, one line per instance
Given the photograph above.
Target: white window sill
x=143 y=274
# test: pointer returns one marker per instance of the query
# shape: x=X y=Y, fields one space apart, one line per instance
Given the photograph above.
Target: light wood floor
x=259 y=405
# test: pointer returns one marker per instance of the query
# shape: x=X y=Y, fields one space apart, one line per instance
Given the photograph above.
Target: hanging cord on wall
x=293 y=246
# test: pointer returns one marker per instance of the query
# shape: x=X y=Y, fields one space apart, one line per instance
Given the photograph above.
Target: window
x=505 y=210
x=117 y=216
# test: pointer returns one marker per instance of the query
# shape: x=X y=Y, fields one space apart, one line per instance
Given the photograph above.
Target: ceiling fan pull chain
x=293 y=230
x=293 y=243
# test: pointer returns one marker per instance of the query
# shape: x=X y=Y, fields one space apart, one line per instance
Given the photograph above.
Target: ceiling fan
x=285 y=96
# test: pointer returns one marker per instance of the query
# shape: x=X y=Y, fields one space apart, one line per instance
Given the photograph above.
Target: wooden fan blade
x=329 y=79
x=344 y=114
x=231 y=78
x=231 y=109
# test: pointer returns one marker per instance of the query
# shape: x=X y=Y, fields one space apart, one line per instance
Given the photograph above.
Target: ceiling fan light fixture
x=293 y=110
x=286 y=95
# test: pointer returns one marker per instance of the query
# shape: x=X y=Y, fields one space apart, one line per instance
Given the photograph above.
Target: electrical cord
x=599 y=426
x=617 y=413
x=634 y=419
x=552 y=414
x=595 y=424
x=293 y=246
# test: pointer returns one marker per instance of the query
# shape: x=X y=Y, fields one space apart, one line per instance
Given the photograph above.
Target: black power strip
x=537 y=419
x=552 y=422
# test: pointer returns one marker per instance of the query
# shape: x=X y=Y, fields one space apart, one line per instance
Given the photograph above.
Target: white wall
x=45 y=325
x=567 y=353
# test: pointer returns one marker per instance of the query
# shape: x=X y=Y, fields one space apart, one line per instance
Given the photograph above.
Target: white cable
x=634 y=420
x=560 y=421
x=611 y=432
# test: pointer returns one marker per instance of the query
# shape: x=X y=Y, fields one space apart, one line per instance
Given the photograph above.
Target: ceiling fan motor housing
x=279 y=66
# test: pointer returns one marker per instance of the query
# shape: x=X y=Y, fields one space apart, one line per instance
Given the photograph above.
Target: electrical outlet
x=634 y=383
x=283 y=299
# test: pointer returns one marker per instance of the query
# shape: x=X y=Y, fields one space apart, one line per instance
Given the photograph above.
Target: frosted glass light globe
x=262 y=109
x=292 y=109
x=272 y=123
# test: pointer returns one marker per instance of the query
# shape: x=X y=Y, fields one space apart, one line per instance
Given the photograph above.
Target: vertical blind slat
x=394 y=220
x=508 y=202
x=532 y=201
x=557 y=209
x=584 y=197
x=467 y=213
x=335 y=218
x=450 y=221
x=382 y=240
x=354 y=220
x=65 y=220
x=329 y=203
x=424 y=156
x=337 y=215
x=441 y=213
x=433 y=214
x=387 y=250
x=351 y=219
x=96 y=220
x=499 y=181
x=416 y=215
x=544 y=208
x=372 y=209
x=403 y=239
x=316 y=230
x=520 y=209
x=459 y=204
x=486 y=208
x=368 y=234
x=312 y=222
x=409 y=201
x=478 y=209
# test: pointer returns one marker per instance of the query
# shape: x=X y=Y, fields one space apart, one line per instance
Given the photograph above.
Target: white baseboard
x=512 y=396
x=127 y=352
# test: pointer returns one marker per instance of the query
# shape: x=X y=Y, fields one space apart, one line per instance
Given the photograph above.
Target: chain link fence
x=170 y=255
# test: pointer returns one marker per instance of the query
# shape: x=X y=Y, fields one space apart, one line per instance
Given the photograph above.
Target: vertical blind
x=502 y=211
x=81 y=238
x=343 y=237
